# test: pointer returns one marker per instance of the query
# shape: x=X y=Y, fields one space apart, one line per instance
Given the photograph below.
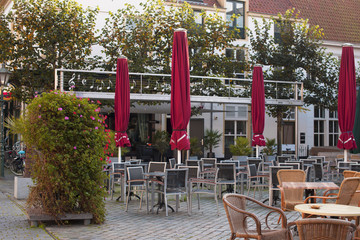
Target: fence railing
x=160 y=84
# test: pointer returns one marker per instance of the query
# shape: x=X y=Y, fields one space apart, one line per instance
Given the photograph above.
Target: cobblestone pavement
x=134 y=224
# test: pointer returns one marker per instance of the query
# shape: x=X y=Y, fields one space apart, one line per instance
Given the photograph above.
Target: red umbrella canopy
x=122 y=103
x=258 y=107
x=180 y=91
x=347 y=99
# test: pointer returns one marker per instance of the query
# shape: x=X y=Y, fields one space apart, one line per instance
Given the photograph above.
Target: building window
x=198 y=18
x=319 y=112
x=319 y=133
x=236 y=8
x=235 y=55
x=333 y=128
x=233 y=129
x=278 y=29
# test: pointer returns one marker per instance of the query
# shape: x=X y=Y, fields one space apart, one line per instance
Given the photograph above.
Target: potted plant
x=195 y=147
x=211 y=140
x=241 y=147
x=68 y=141
x=161 y=142
x=270 y=147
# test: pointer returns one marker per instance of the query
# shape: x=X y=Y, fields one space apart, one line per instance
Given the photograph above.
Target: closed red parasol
x=258 y=108
x=180 y=92
x=347 y=99
x=122 y=104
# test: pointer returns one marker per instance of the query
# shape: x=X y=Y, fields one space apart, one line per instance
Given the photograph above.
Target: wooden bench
x=36 y=218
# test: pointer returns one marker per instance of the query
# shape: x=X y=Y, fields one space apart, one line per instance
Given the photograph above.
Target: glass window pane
x=336 y=127
x=198 y=17
x=229 y=52
x=331 y=140
x=331 y=127
x=230 y=111
x=321 y=140
x=316 y=127
x=229 y=127
x=241 y=128
x=316 y=112
x=240 y=55
x=316 y=140
x=229 y=13
x=240 y=10
x=321 y=126
x=229 y=141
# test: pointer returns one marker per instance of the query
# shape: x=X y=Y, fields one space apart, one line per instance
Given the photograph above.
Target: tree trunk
x=279 y=137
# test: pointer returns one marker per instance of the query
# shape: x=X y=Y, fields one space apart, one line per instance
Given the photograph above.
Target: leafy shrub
x=68 y=136
x=241 y=147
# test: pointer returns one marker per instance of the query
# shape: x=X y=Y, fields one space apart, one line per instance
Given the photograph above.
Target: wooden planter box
x=35 y=216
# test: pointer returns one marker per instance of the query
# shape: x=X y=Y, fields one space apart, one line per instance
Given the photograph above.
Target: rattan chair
x=321 y=229
x=291 y=197
x=348 y=173
x=347 y=190
x=238 y=217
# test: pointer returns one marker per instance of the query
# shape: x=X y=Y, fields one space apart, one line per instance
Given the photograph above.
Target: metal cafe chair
x=135 y=180
x=175 y=184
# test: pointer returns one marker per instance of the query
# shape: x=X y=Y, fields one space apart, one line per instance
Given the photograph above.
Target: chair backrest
x=355 y=167
x=322 y=228
x=292 y=156
x=226 y=171
x=193 y=158
x=189 y=162
x=355 y=157
x=319 y=159
x=118 y=167
x=295 y=165
x=282 y=159
x=172 y=162
x=291 y=195
x=208 y=161
x=237 y=219
x=300 y=162
x=135 y=173
x=347 y=190
x=255 y=161
x=236 y=162
x=308 y=161
x=157 y=167
x=176 y=179
x=242 y=158
x=135 y=161
x=348 y=173
x=319 y=171
x=193 y=172
x=274 y=182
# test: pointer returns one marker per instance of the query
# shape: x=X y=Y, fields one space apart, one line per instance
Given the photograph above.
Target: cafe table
x=310 y=186
x=331 y=210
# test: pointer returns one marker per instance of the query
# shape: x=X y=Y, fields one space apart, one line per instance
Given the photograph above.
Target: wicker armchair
x=348 y=173
x=320 y=228
x=347 y=190
x=291 y=197
x=235 y=205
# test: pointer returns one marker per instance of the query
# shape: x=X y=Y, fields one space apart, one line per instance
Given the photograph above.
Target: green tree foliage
x=269 y=149
x=46 y=35
x=295 y=55
x=161 y=142
x=70 y=136
x=145 y=37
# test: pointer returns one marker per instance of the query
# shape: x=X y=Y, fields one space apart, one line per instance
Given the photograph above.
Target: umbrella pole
x=345 y=155
x=119 y=155
x=257 y=151
x=179 y=157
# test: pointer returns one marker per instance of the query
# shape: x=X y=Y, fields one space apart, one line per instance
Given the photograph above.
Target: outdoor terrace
x=157 y=87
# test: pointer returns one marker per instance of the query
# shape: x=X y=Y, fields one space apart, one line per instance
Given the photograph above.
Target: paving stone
x=134 y=224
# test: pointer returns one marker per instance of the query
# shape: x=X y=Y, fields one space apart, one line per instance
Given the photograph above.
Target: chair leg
x=177 y=203
x=141 y=196
x=127 y=198
x=198 y=198
x=217 y=204
x=166 y=205
x=112 y=187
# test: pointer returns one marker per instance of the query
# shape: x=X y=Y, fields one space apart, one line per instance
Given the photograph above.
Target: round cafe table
x=328 y=209
x=333 y=210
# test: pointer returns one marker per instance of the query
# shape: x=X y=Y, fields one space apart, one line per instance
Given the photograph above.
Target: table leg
x=147 y=196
